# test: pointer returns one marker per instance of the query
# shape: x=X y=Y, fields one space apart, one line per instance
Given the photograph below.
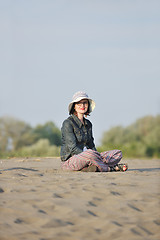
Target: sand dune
x=40 y=201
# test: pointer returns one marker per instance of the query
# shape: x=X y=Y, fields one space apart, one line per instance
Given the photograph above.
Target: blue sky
x=51 y=49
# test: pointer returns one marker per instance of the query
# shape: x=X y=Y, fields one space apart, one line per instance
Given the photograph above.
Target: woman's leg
x=112 y=157
x=85 y=159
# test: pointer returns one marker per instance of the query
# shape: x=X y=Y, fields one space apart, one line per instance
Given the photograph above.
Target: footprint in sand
x=54 y=223
x=115 y=193
x=92 y=213
x=134 y=208
x=1 y=190
x=19 y=221
x=146 y=230
x=92 y=204
x=117 y=224
x=135 y=232
x=157 y=222
x=57 y=195
x=42 y=211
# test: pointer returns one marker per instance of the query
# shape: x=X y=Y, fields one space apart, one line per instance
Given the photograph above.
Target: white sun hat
x=78 y=96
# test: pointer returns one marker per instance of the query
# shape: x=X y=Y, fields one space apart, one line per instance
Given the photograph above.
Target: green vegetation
x=41 y=148
x=141 y=139
x=18 y=139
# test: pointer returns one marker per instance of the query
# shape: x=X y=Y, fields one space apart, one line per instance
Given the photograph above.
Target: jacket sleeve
x=91 y=144
x=69 y=139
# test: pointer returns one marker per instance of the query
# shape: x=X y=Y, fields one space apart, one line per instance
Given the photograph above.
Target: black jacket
x=75 y=136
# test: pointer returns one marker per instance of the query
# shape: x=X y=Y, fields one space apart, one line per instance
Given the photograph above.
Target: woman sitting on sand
x=78 y=151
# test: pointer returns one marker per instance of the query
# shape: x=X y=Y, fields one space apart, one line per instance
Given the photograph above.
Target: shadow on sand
x=19 y=168
x=144 y=169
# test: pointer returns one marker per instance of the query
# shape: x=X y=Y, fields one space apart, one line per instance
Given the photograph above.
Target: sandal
x=119 y=167
x=122 y=167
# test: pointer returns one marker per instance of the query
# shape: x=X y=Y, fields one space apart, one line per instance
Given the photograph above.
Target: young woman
x=78 y=151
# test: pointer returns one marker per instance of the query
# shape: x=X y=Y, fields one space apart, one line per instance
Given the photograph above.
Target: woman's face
x=81 y=106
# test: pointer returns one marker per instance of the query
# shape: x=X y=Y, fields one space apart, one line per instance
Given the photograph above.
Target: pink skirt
x=90 y=157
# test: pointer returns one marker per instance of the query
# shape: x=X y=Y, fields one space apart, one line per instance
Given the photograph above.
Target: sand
x=40 y=201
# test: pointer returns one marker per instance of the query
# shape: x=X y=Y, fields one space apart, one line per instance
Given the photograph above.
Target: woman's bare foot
x=119 y=167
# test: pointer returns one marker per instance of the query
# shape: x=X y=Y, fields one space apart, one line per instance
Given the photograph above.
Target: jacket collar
x=78 y=121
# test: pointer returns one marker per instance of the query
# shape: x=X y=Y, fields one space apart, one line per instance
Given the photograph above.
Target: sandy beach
x=40 y=201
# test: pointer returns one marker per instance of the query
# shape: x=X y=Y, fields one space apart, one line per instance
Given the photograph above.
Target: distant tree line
x=140 y=139
x=19 y=139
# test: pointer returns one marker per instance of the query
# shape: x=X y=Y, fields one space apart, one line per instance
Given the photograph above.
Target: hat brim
x=91 y=104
